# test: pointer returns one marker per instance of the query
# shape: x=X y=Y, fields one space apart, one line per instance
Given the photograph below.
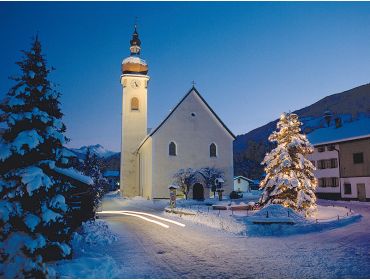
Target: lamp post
x=218 y=183
x=173 y=189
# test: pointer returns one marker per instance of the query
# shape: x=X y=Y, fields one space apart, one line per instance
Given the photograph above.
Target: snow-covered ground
x=144 y=249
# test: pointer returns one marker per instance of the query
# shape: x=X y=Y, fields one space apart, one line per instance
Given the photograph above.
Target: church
x=191 y=136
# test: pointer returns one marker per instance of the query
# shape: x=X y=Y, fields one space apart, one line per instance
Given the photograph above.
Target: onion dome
x=134 y=64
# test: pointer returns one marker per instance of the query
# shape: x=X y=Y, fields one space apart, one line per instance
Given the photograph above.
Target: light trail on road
x=154 y=216
x=134 y=215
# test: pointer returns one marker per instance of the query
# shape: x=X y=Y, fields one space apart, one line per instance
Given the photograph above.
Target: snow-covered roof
x=111 y=173
x=348 y=131
x=193 y=89
x=244 y=178
x=72 y=173
x=134 y=59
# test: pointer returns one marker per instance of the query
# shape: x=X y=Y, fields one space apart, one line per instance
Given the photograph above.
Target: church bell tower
x=134 y=81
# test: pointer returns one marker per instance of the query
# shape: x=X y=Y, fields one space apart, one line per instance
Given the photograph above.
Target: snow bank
x=225 y=223
x=280 y=227
x=90 y=254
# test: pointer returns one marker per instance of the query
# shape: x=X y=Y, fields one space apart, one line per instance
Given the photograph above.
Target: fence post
x=219 y=211
x=338 y=217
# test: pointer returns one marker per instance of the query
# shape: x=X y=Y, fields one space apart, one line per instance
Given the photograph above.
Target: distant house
x=342 y=160
x=113 y=179
x=243 y=184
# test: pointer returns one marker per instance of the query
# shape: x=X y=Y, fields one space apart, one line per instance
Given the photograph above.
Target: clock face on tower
x=135 y=83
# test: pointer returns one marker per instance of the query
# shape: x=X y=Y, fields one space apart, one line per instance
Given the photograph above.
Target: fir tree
x=92 y=167
x=32 y=205
x=289 y=177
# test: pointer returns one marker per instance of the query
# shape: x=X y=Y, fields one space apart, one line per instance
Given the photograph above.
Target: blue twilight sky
x=251 y=61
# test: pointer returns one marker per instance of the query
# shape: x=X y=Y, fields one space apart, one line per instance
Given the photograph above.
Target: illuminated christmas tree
x=289 y=177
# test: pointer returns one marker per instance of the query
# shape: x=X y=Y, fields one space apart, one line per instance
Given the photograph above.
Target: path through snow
x=146 y=250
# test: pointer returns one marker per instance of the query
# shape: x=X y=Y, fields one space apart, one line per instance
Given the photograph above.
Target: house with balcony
x=342 y=160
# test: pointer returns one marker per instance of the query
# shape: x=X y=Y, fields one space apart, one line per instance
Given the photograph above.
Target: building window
x=321 y=164
x=238 y=180
x=331 y=147
x=358 y=158
x=322 y=182
x=321 y=149
x=333 y=163
x=334 y=182
x=172 y=149
x=213 y=150
x=134 y=104
x=347 y=189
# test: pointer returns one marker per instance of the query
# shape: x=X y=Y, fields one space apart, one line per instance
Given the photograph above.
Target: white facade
x=241 y=184
x=357 y=185
x=192 y=126
x=327 y=171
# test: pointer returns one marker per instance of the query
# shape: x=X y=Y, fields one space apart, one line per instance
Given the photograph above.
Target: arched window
x=213 y=150
x=134 y=104
x=172 y=149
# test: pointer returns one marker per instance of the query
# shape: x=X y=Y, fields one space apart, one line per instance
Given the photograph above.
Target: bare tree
x=184 y=178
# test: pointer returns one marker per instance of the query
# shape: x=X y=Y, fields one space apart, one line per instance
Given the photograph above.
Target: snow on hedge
x=72 y=173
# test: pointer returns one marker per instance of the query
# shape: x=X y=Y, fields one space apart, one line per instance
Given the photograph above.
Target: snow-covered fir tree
x=289 y=177
x=92 y=167
x=32 y=206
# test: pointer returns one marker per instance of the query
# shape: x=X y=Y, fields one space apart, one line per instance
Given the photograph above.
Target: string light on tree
x=289 y=177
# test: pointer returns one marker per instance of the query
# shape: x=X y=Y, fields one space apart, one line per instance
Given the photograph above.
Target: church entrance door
x=198 y=191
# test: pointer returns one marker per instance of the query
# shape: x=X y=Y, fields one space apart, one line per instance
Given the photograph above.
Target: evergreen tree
x=32 y=205
x=92 y=166
x=289 y=177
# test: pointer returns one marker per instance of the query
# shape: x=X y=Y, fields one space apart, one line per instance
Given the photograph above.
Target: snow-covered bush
x=32 y=206
x=289 y=177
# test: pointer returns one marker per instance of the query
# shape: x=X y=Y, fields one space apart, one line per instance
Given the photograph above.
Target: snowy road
x=146 y=250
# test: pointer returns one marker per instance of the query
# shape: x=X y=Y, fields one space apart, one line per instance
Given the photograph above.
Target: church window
x=134 y=104
x=172 y=149
x=213 y=150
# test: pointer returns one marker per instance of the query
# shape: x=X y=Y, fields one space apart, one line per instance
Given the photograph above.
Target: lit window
x=213 y=150
x=172 y=149
x=134 y=104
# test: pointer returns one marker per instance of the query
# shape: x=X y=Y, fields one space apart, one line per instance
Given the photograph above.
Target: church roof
x=153 y=131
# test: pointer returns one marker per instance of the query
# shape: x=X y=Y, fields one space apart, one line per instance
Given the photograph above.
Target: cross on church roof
x=193 y=83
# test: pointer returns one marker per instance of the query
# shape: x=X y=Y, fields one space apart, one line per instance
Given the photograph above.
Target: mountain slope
x=347 y=106
x=97 y=149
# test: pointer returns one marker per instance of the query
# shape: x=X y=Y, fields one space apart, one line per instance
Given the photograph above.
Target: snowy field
x=133 y=247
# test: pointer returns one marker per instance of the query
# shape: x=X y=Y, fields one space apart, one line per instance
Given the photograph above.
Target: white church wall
x=193 y=128
x=145 y=158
